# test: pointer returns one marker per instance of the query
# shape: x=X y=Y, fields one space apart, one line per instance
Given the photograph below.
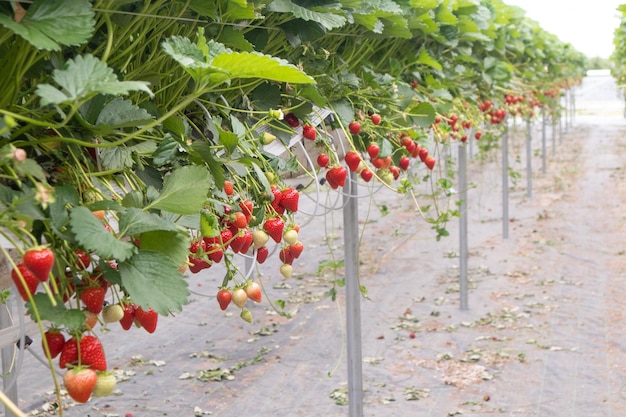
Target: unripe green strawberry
x=112 y=313
x=105 y=384
x=246 y=315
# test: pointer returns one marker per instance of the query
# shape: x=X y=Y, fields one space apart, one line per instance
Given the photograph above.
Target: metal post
x=529 y=160
x=543 y=140
x=463 y=246
x=353 y=299
x=7 y=360
x=505 y=184
x=553 y=135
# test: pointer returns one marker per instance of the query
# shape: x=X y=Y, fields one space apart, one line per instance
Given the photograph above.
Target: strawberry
x=246 y=315
x=91 y=319
x=290 y=236
x=292 y=120
x=225 y=238
x=395 y=171
x=309 y=132
x=296 y=249
x=253 y=291
x=289 y=199
x=353 y=160
x=336 y=177
x=223 y=298
x=277 y=196
x=228 y=188
x=247 y=208
x=30 y=284
x=197 y=265
x=404 y=163
x=423 y=154
x=215 y=252
x=373 y=150
x=93 y=298
x=79 y=383
x=354 y=127
x=322 y=160
x=40 y=261
x=147 y=319
x=478 y=135
x=239 y=220
x=274 y=227
x=69 y=353
x=237 y=243
x=259 y=238
x=129 y=315
x=367 y=175
x=261 y=254
x=112 y=313
x=105 y=384
x=286 y=270
x=55 y=340
x=91 y=353
x=84 y=260
x=286 y=256
x=239 y=297
x=430 y=162
x=376 y=119
x=247 y=234
x=416 y=150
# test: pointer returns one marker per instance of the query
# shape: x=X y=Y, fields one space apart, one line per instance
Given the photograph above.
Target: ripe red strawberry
x=367 y=175
x=404 y=163
x=376 y=119
x=253 y=291
x=84 y=260
x=309 y=132
x=423 y=154
x=129 y=316
x=289 y=199
x=247 y=243
x=353 y=160
x=354 y=127
x=224 y=297
x=239 y=297
x=79 y=383
x=239 y=220
x=430 y=162
x=416 y=150
x=296 y=249
x=336 y=177
x=93 y=298
x=55 y=340
x=40 y=261
x=197 y=265
x=395 y=171
x=247 y=208
x=286 y=256
x=261 y=254
x=30 y=280
x=228 y=188
x=147 y=319
x=292 y=120
x=277 y=196
x=69 y=353
x=373 y=150
x=478 y=135
x=215 y=252
x=322 y=160
x=274 y=227
x=91 y=353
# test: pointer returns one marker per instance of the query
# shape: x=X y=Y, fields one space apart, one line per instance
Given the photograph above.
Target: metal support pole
x=463 y=246
x=505 y=184
x=553 y=135
x=529 y=159
x=543 y=140
x=353 y=299
x=7 y=360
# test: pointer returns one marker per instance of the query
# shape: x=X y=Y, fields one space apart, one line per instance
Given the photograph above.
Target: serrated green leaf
x=48 y=24
x=174 y=245
x=167 y=150
x=206 y=154
x=184 y=191
x=136 y=221
x=30 y=167
x=256 y=65
x=59 y=314
x=83 y=77
x=328 y=20
x=235 y=38
x=153 y=280
x=209 y=224
x=423 y=114
x=117 y=157
x=228 y=139
x=92 y=236
x=425 y=58
x=120 y=113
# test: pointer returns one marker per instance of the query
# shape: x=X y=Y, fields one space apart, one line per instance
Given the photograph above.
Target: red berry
x=274 y=227
x=373 y=150
x=93 y=298
x=30 y=280
x=40 y=262
x=309 y=132
x=376 y=119
x=430 y=162
x=228 y=188
x=55 y=340
x=79 y=383
x=353 y=160
x=147 y=319
x=289 y=199
x=367 y=175
x=223 y=298
x=354 y=127
x=292 y=120
x=404 y=163
x=261 y=254
x=322 y=160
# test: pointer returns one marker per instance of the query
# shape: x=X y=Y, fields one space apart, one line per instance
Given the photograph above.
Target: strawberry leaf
x=184 y=191
x=84 y=77
x=423 y=114
x=119 y=113
x=135 y=222
x=59 y=314
x=153 y=280
x=174 y=245
x=48 y=24
x=92 y=235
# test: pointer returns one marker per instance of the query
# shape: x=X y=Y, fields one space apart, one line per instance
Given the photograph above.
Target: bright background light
x=587 y=25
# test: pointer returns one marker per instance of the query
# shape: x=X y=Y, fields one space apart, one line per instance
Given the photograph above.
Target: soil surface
x=543 y=335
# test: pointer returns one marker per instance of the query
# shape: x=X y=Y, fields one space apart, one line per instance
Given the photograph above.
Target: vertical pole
x=7 y=360
x=505 y=184
x=560 y=114
x=543 y=140
x=463 y=246
x=553 y=135
x=353 y=299
x=529 y=159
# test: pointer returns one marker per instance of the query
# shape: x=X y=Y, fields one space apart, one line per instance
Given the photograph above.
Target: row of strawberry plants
x=134 y=137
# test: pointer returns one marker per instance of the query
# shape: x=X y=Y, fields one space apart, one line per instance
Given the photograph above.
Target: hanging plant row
x=137 y=139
